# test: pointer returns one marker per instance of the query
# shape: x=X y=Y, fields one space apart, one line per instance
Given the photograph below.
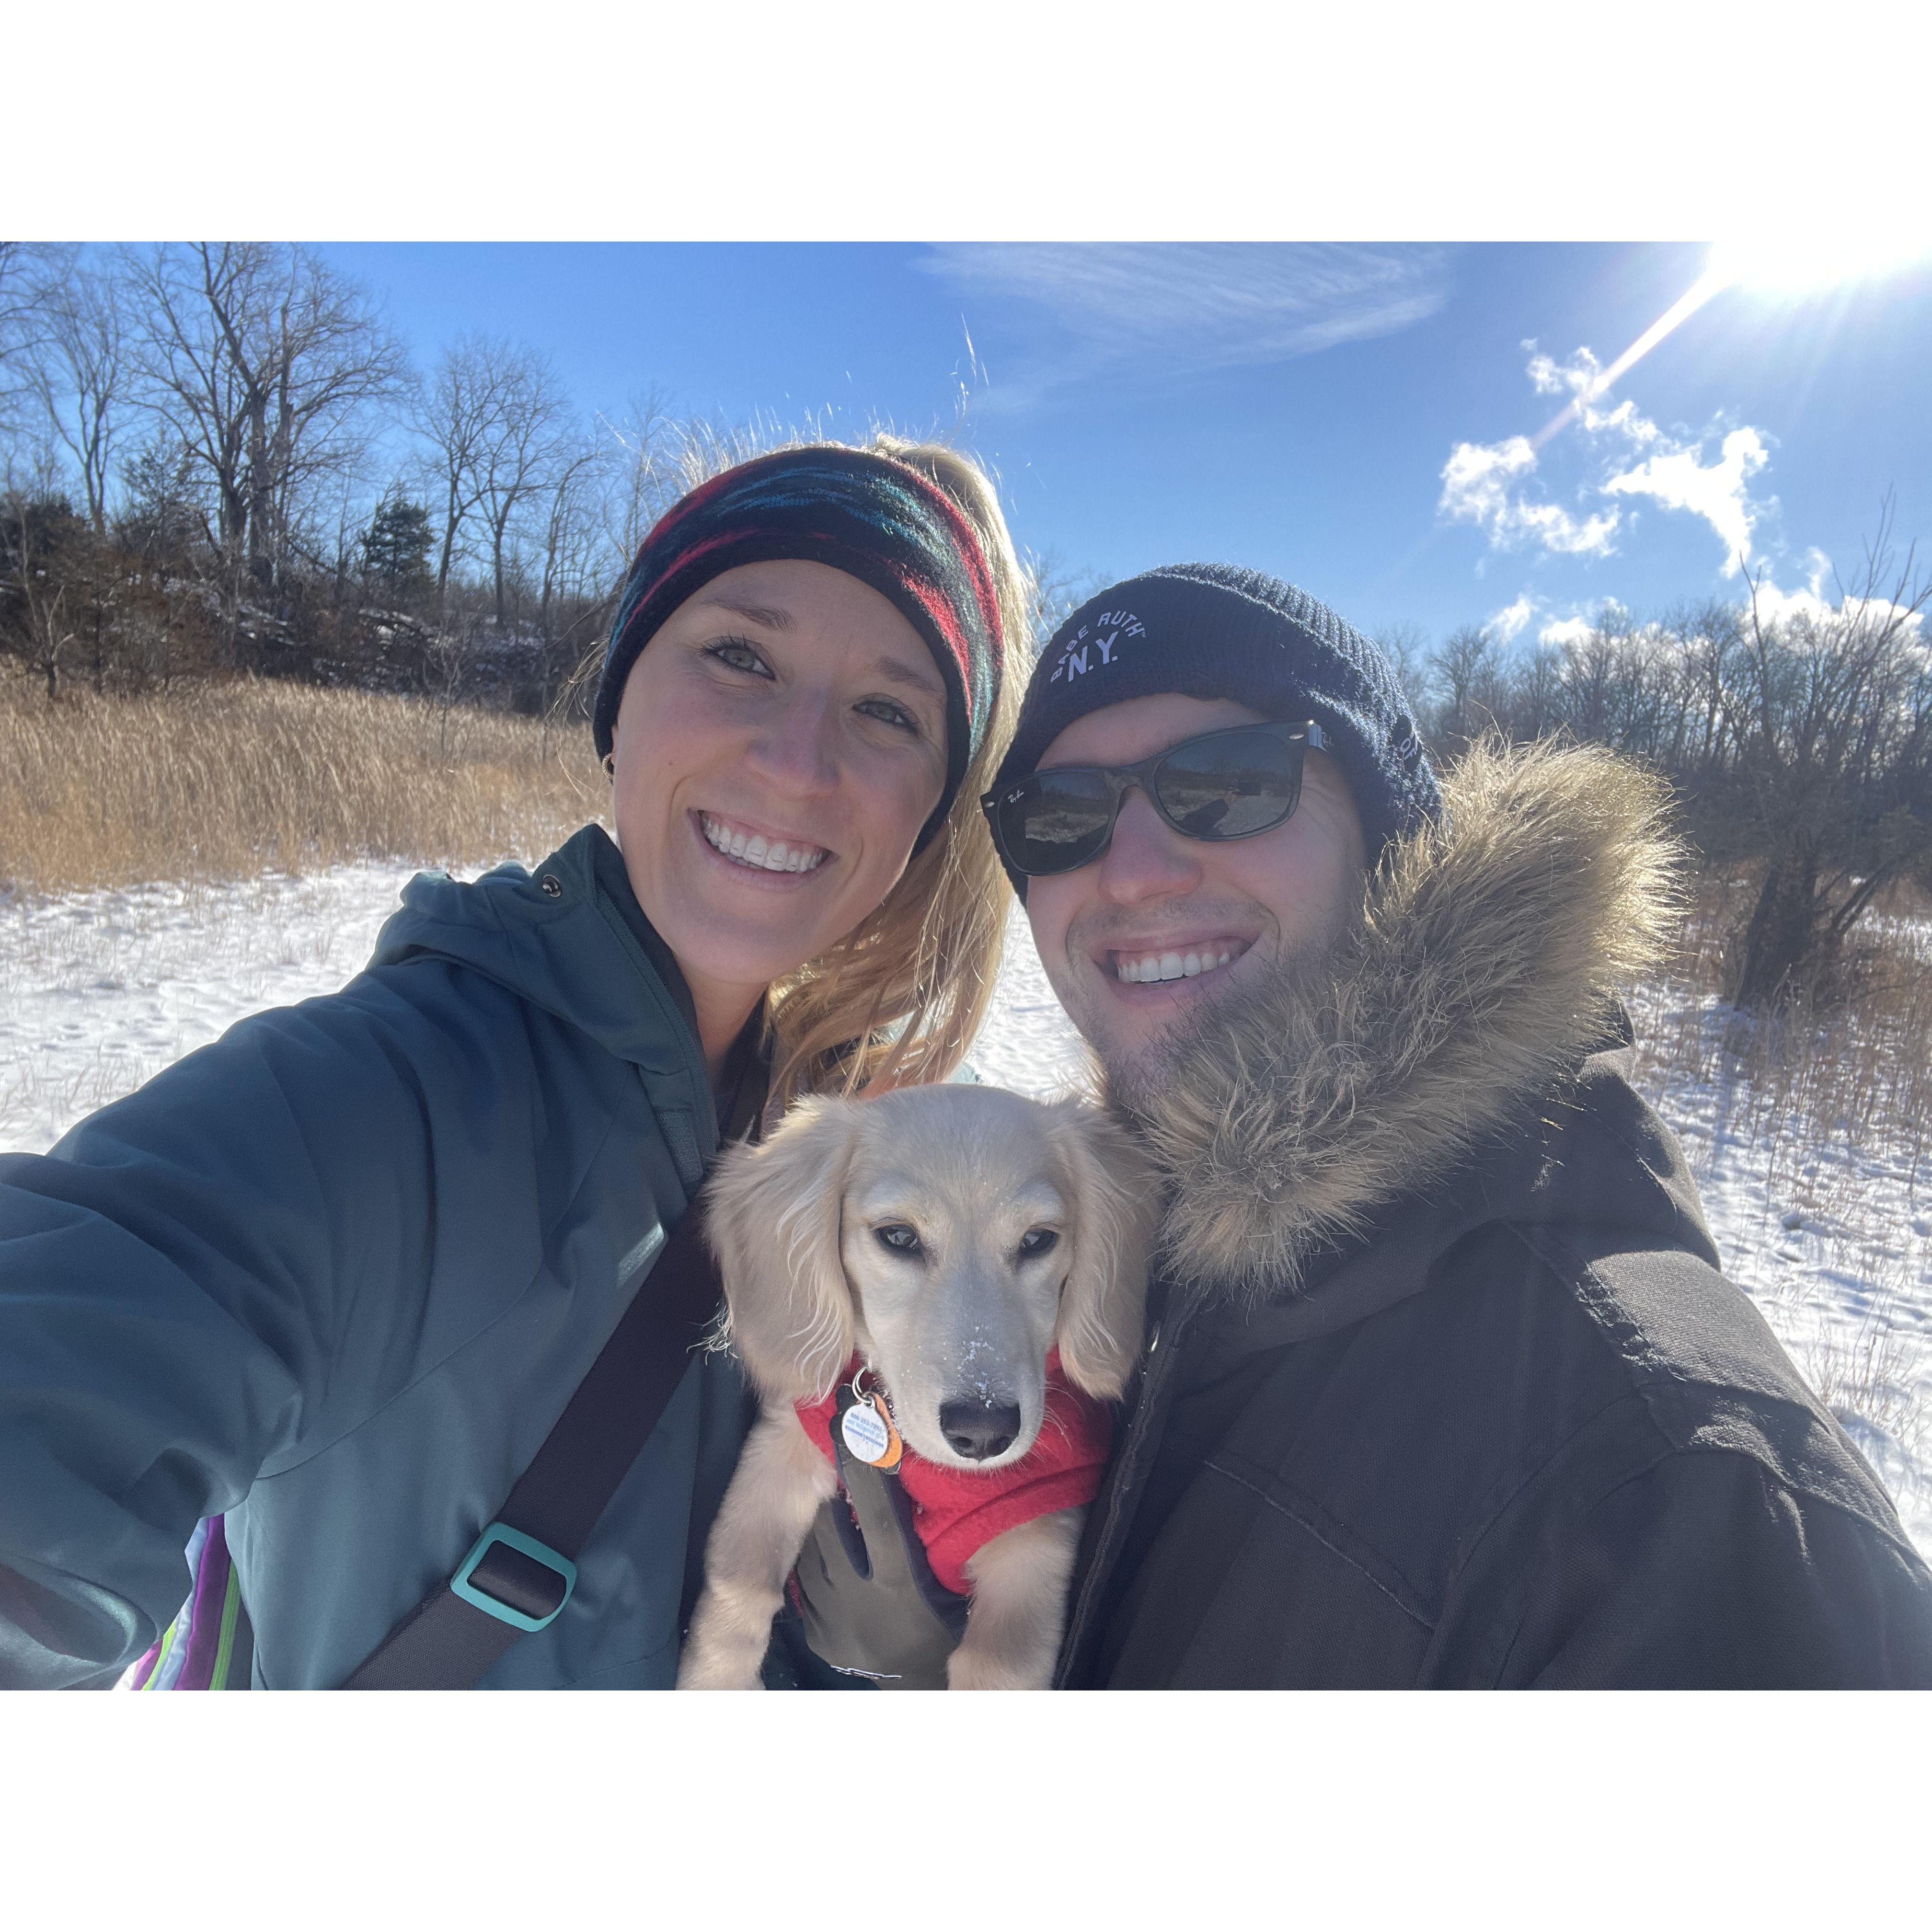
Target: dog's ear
x=1101 y=1306
x=773 y=1220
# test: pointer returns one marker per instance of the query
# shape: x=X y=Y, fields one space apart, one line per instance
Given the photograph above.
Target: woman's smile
x=751 y=850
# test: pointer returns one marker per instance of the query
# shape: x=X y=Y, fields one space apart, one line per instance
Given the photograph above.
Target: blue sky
x=1344 y=416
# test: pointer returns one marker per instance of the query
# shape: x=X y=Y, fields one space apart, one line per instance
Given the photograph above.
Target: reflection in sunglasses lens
x=1229 y=786
x=1062 y=814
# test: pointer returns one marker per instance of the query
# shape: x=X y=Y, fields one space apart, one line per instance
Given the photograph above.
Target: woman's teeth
x=1151 y=966
x=754 y=849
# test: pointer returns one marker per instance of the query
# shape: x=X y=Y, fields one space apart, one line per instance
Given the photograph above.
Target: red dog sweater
x=958 y=1511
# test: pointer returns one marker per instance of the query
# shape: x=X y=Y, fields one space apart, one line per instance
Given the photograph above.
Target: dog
x=983 y=1257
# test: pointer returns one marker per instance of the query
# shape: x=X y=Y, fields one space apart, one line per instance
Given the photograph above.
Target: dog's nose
x=978 y=1428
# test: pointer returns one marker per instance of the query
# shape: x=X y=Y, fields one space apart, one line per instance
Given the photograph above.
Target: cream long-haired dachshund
x=950 y=1239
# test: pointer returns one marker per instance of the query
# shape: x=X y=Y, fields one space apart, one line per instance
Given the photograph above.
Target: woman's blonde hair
x=897 y=1001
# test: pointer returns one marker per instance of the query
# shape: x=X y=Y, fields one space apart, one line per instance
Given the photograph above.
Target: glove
x=866 y=1607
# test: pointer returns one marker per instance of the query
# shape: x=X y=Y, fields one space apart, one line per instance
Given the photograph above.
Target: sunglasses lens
x=1054 y=821
x=1230 y=785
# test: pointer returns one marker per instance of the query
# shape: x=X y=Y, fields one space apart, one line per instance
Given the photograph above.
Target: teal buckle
x=513 y=1587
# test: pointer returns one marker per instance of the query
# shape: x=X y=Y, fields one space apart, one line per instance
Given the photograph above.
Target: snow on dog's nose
x=977 y=1428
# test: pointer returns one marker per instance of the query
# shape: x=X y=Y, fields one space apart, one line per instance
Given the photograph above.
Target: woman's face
x=780 y=742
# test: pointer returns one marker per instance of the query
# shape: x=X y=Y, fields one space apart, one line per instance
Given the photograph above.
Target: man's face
x=1154 y=895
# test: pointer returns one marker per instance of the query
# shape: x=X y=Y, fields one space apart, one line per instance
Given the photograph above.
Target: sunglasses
x=1223 y=785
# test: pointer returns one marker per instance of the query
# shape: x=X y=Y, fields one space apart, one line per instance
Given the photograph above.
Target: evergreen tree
x=395 y=551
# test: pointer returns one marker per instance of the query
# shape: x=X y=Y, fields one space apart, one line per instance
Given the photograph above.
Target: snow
x=1831 y=1239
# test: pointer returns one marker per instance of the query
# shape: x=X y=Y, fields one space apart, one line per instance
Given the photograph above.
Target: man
x=1442 y=1385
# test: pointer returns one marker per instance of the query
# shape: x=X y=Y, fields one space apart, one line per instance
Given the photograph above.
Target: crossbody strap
x=449 y=1641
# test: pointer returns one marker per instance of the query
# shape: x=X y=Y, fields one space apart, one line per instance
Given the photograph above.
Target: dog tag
x=867 y=1426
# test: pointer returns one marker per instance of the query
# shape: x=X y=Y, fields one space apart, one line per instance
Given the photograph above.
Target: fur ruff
x=1486 y=962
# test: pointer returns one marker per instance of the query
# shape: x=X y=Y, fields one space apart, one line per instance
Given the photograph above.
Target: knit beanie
x=868 y=514
x=1213 y=630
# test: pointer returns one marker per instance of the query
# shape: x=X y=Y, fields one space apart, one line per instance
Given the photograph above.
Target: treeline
x=217 y=457
x=1797 y=732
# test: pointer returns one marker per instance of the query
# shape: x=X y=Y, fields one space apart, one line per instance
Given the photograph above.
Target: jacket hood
x=1483 y=970
x=570 y=938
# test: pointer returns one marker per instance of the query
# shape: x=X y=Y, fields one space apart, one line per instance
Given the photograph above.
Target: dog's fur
x=807 y=1282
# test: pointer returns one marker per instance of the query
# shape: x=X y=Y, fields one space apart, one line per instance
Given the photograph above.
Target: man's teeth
x=754 y=849
x=1151 y=966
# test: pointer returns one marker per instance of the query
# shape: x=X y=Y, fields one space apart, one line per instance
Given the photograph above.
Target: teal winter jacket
x=337 y=1274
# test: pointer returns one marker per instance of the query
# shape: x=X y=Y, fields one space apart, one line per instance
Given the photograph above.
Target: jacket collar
x=1482 y=970
x=571 y=938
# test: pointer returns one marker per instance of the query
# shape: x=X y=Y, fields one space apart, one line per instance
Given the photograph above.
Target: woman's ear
x=1101 y=1306
x=772 y=1220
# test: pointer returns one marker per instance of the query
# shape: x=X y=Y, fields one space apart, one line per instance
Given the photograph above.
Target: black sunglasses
x=1223 y=785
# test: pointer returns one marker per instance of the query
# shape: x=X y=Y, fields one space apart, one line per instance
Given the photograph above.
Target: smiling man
x=1442 y=1384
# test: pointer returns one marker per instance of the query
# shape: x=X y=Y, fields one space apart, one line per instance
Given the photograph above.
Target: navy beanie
x=1213 y=630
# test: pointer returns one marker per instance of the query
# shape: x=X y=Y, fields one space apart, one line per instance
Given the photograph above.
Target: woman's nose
x=1146 y=858
x=795 y=753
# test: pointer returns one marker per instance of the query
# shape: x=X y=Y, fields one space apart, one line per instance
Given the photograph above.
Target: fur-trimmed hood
x=1484 y=967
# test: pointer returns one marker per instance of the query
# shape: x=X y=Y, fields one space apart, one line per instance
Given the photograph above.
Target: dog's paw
x=969 y=1669
x=699 y=1672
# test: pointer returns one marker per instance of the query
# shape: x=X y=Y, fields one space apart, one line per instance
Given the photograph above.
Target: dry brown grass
x=213 y=781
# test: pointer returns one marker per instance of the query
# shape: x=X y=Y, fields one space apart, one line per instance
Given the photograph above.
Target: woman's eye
x=887 y=713
x=1037 y=1241
x=901 y=1239
x=738 y=656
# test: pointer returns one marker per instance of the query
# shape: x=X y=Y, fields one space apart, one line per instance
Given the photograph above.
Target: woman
x=336 y=1275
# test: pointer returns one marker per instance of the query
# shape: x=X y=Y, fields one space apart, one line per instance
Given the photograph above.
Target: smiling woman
x=334 y=1279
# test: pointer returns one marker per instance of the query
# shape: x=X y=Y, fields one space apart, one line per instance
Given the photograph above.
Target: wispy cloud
x=1116 y=309
x=1626 y=454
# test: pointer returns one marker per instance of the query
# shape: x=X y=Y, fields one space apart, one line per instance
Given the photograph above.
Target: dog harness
x=956 y=1512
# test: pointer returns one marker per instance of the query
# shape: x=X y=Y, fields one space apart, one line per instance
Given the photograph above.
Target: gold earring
x=610 y=766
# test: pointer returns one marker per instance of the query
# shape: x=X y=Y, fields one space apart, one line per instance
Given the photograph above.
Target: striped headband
x=868 y=515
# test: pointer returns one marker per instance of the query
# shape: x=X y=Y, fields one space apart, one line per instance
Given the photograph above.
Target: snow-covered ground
x=99 y=990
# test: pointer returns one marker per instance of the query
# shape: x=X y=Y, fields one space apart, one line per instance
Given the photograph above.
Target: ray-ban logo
x=1093 y=647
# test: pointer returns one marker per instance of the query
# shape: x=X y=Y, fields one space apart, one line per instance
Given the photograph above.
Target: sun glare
x=1788 y=265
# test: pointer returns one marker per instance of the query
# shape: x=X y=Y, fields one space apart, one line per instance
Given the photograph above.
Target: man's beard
x=1135 y=1079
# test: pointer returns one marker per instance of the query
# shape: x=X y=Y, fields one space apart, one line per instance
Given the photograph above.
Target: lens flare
x=1780 y=266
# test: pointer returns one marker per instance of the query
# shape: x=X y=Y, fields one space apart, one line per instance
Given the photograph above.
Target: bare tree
x=42 y=621
x=639 y=474
x=263 y=361
x=520 y=449
x=1836 y=749
x=79 y=375
x=1470 y=679
x=450 y=411
x=30 y=272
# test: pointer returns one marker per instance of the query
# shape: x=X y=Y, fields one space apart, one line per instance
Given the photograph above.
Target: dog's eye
x=900 y=1238
x=1036 y=1241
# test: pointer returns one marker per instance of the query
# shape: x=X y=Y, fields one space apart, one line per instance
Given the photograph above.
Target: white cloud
x=1509 y=622
x=1195 y=303
x=1718 y=492
x=1482 y=483
x=1476 y=488
x=1816 y=602
x=1562 y=630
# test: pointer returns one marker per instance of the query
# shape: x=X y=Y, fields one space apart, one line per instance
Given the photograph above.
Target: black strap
x=446 y=1644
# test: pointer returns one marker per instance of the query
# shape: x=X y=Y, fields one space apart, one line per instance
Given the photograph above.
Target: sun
x=1807 y=265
